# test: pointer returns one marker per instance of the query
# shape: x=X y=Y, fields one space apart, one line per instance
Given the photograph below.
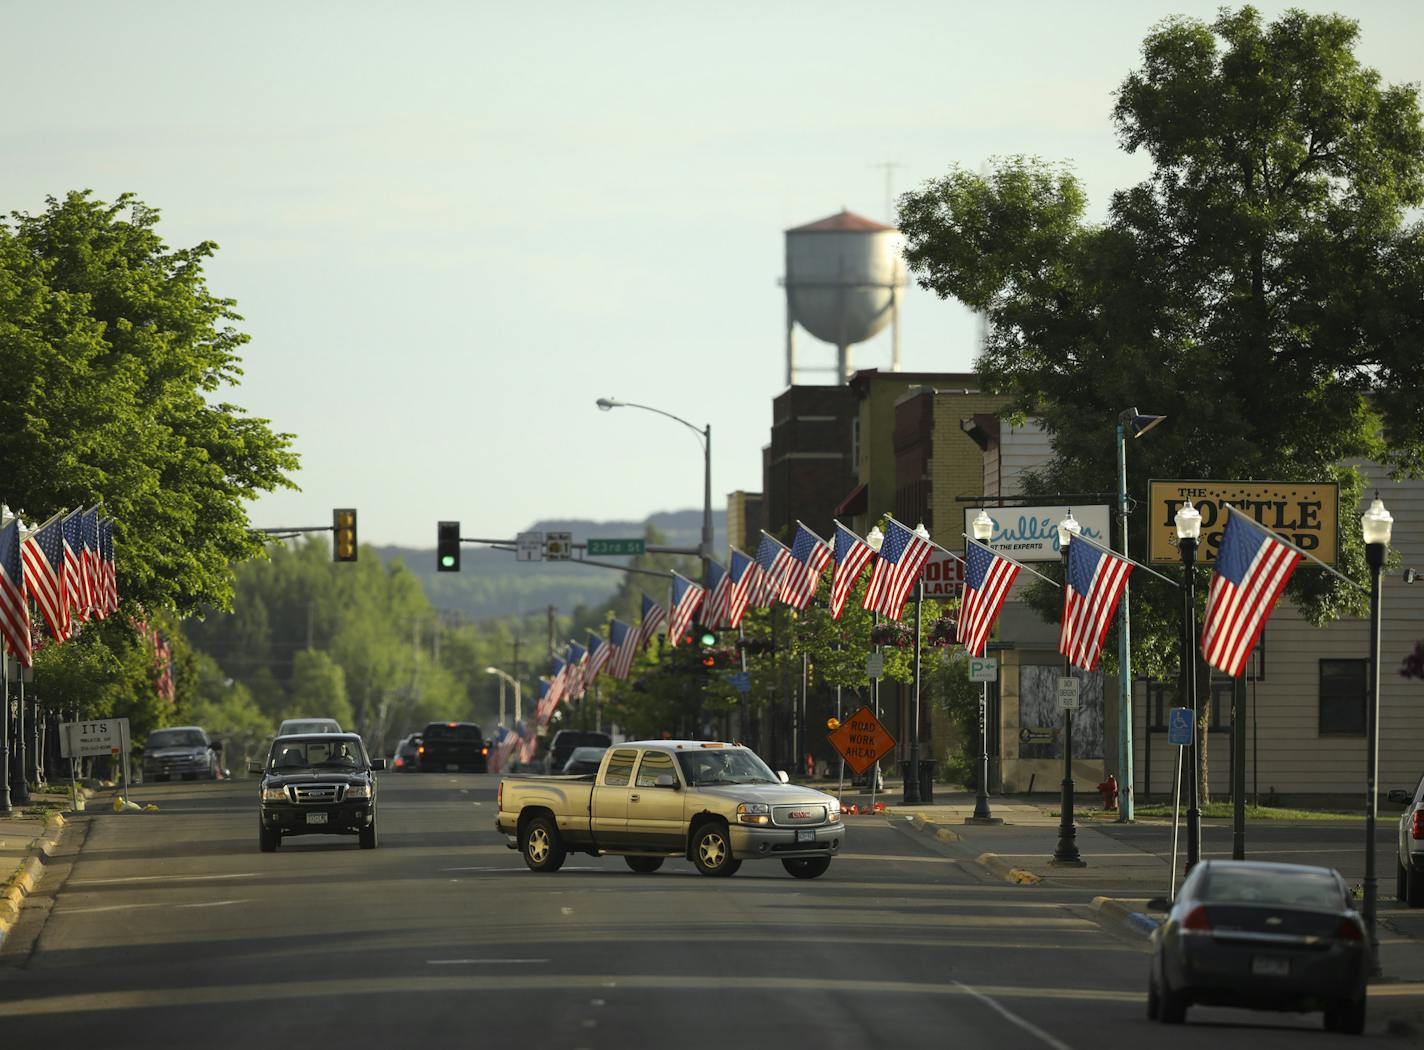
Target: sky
x=451 y=227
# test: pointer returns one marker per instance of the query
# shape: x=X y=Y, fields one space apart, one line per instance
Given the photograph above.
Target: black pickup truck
x=453 y=747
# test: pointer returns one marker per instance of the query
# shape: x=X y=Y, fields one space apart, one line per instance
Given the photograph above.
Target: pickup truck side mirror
x=1400 y=797
x=666 y=780
x=781 y=776
x=254 y=767
x=378 y=763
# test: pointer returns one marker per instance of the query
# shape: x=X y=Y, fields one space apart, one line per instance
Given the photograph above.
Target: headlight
x=274 y=794
x=754 y=813
x=359 y=791
x=833 y=810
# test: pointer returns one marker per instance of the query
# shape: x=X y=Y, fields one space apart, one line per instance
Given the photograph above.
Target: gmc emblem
x=798 y=814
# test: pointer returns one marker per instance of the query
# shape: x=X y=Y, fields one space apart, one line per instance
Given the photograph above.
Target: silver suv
x=1409 y=861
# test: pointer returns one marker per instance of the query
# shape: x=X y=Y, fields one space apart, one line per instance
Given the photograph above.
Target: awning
x=853 y=504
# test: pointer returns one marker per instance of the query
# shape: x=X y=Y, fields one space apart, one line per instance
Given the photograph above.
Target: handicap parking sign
x=1179 y=726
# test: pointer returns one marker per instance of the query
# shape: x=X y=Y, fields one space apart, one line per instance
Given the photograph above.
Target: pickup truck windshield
x=724 y=766
x=313 y=754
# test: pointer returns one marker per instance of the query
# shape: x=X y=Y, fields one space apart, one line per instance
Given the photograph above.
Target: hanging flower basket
x=894 y=633
x=943 y=632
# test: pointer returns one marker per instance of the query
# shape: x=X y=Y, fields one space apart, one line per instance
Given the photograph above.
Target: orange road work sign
x=862 y=740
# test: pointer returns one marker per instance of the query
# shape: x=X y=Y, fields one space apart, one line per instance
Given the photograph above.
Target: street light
x=1133 y=420
x=503 y=677
x=983 y=527
x=912 y=778
x=873 y=539
x=1066 y=852
x=1188 y=520
x=607 y=404
x=1377 y=524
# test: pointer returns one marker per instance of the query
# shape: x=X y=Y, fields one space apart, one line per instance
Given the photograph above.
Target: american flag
x=987 y=579
x=684 y=599
x=810 y=554
x=652 y=617
x=1090 y=595
x=559 y=680
x=719 y=586
x=43 y=556
x=545 y=702
x=597 y=657
x=898 y=564
x=14 y=609
x=93 y=588
x=851 y=554
x=774 y=560
x=75 y=579
x=577 y=655
x=743 y=576
x=623 y=639
x=106 y=565
x=1252 y=568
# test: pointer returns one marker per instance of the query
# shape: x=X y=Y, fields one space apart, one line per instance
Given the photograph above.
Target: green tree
x=1260 y=287
x=319 y=683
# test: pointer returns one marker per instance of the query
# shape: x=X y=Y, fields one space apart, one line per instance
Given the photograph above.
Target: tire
x=1154 y=1004
x=712 y=850
x=1401 y=882
x=267 y=841
x=1171 y=1006
x=1413 y=888
x=367 y=836
x=541 y=846
x=1346 y=1016
x=806 y=867
x=644 y=865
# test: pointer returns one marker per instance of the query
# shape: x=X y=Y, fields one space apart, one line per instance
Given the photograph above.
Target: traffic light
x=343 y=530
x=447 y=546
x=707 y=636
x=709 y=659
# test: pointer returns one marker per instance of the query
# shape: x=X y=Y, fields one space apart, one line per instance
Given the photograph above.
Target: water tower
x=843 y=281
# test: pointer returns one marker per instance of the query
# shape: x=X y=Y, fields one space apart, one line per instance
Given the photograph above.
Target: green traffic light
x=709 y=637
x=448 y=560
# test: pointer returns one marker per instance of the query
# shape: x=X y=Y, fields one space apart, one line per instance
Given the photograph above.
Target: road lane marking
x=1008 y=1015
x=484 y=962
x=137 y=907
x=158 y=878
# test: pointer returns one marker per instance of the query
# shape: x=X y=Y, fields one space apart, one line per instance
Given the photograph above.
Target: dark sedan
x=1261 y=936
x=317 y=785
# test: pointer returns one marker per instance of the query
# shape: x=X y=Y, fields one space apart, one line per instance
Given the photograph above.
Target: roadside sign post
x=101 y=736
x=1068 y=694
x=606 y=548
x=558 y=546
x=862 y=741
x=1181 y=730
x=875 y=666
x=984 y=669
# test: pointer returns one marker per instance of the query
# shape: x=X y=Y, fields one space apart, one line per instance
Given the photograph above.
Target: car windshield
x=724 y=766
x=1272 y=886
x=176 y=738
x=317 y=754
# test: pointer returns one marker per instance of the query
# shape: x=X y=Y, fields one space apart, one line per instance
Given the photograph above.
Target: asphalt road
x=170 y=928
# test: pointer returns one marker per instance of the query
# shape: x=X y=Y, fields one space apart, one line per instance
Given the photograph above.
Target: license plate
x=1270 y=966
x=805 y=835
x=316 y=818
x=452 y=767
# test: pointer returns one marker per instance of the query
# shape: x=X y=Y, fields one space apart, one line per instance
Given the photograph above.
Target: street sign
x=1306 y=514
x=529 y=546
x=106 y=736
x=558 y=546
x=616 y=548
x=861 y=740
x=741 y=681
x=875 y=665
x=1068 y=690
x=944 y=575
x=983 y=669
x=1180 y=727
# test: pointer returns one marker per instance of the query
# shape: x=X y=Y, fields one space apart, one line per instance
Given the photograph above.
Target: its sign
x=1306 y=514
x=861 y=740
x=109 y=736
x=944 y=575
x=1031 y=533
x=616 y=548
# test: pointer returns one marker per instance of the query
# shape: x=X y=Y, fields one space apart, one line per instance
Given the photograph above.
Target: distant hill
x=492 y=583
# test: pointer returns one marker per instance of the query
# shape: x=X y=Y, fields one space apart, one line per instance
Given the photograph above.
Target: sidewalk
x=1122 y=877
x=27 y=838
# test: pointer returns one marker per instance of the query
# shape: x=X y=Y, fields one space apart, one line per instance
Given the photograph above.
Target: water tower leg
x=843 y=365
x=894 y=329
x=790 y=344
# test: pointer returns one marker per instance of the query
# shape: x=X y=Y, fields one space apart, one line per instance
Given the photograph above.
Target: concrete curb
x=1125 y=912
x=1006 y=871
x=939 y=831
x=27 y=876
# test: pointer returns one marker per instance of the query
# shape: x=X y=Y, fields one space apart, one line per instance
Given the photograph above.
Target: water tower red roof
x=841 y=222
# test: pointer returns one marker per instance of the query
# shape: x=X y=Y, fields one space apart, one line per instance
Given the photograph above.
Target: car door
x=609 y=819
x=655 y=813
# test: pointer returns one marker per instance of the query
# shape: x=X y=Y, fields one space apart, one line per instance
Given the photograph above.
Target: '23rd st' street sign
x=1305 y=513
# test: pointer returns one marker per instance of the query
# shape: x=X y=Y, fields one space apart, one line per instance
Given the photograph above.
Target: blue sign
x=741 y=681
x=1180 y=726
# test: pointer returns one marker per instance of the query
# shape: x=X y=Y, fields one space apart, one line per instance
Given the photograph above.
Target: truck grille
x=792 y=816
x=316 y=794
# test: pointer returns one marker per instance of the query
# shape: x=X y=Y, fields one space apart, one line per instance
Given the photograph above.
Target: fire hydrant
x=1108 y=788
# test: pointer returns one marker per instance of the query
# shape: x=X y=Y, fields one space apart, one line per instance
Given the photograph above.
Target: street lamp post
x=607 y=404
x=983 y=527
x=503 y=678
x=1188 y=520
x=1377 y=524
x=1139 y=425
x=873 y=539
x=1066 y=852
x=912 y=779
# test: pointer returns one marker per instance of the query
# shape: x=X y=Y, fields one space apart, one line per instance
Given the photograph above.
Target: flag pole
x=802 y=525
x=1299 y=550
x=1000 y=554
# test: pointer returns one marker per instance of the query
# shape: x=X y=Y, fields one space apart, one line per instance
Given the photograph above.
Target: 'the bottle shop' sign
x=1307 y=514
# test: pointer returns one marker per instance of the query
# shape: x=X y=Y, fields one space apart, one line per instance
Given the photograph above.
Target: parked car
x=564 y=742
x=181 y=751
x=453 y=747
x=712 y=803
x=584 y=760
x=295 y=726
x=1409 y=857
x=1262 y=936
x=407 y=754
x=317 y=784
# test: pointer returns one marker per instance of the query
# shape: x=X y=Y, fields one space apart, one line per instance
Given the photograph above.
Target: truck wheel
x=1413 y=887
x=806 y=867
x=644 y=865
x=712 y=851
x=368 y=836
x=267 y=840
x=542 y=848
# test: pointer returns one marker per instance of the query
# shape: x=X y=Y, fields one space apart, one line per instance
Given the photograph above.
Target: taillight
x=484 y=750
x=1197 y=919
x=1348 y=931
x=422 y=749
x=499 y=796
x=1418 y=829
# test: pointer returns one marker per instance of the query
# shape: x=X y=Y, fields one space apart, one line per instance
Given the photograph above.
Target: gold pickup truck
x=714 y=804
